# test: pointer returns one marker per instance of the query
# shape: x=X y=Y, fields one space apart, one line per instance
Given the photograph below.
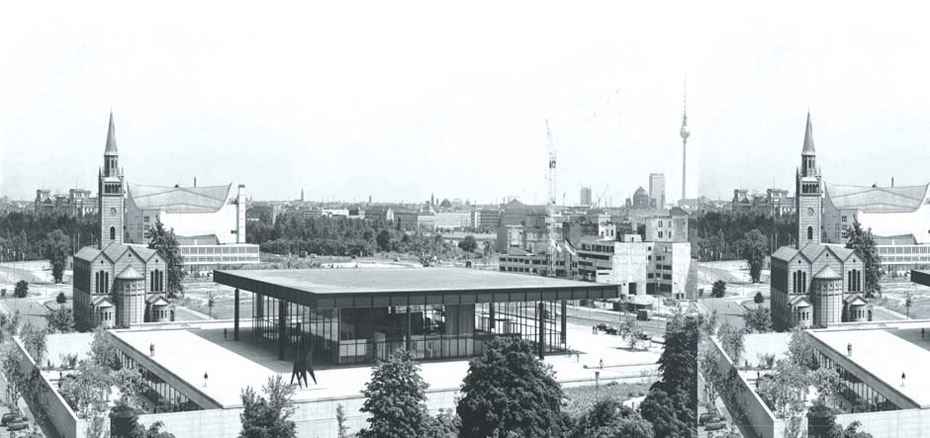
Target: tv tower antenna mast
x=550 y=204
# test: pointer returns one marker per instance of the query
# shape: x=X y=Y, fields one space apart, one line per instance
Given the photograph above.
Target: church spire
x=808 y=137
x=111 y=138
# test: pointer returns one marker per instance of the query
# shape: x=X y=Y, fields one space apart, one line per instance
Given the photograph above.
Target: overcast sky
x=398 y=100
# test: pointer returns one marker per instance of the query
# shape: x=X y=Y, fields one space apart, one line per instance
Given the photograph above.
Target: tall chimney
x=195 y=181
x=892 y=181
x=240 y=214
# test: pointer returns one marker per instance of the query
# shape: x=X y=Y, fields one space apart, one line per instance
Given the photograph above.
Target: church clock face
x=810 y=211
x=113 y=212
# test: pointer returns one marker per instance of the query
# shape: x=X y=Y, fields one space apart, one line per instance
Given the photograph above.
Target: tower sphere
x=685 y=132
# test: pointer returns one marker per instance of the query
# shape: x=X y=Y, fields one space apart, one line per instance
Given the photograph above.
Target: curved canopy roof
x=180 y=199
x=903 y=199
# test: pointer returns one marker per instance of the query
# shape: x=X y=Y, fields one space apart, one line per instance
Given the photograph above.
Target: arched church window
x=810 y=233
x=112 y=233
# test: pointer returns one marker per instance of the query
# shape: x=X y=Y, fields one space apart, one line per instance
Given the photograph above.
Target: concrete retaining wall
x=756 y=412
x=728 y=265
x=891 y=424
x=60 y=415
x=313 y=419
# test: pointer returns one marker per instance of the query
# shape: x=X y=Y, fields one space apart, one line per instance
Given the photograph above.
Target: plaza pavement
x=231 y=366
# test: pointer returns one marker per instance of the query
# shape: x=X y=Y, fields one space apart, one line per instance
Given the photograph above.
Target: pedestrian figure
x=849 y=349
x=902 y=379
x=224 y=332
x=152 y=349
x=602 y=363
x=921 y=333
x=204 y=380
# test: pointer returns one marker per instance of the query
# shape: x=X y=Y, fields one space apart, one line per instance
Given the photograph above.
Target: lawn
x=582 y=398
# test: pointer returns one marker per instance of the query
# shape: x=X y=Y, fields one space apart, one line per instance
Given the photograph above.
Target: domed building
x=641 y=199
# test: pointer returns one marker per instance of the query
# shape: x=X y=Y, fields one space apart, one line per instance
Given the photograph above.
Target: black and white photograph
x=415 y=219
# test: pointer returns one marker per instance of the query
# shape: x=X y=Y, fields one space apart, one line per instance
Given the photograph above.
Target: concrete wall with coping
x=758 y=415
x=890 y=424
x=59 y=413
x=313 y=419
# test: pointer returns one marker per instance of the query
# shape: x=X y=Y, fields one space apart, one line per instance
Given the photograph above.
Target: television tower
x=550 y=204
x=685 y=133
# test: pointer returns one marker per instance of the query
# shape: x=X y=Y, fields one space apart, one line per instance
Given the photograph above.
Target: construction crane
x=550 y=204
x=601 y=196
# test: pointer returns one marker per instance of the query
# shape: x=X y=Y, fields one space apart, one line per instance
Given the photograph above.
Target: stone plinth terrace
x=882 y=355
x=182 y=356
x=353 y=286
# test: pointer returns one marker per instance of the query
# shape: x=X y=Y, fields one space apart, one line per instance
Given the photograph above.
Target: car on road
x=709 y=417
x=19 y=425
x=716 y=425
x=10 y=417
x=611 y=330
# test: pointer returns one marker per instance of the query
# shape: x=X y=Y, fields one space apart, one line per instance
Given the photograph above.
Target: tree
x=468 y=244
x=395 y=398
x=103 y=352
x=863 y=243
x=165 y=242
x=801 y=351
x=266 y=418
x=609 y=418
x=57 y=249
x=385 y=240
x=759 y=298
x=342 y=429
x=130 y=383
x=821 y=422
x=731 y=339
x=86 y=390
x=61 y=298
x=758 y=319
x=719 y=290
x=22 y=289
x=630 y=330
x=754 y=248
x=785 y=388
x=509 y=390
x=124 y=423
x=34 y=339
x=60 y=320
x=828 y=383
x=662 y=409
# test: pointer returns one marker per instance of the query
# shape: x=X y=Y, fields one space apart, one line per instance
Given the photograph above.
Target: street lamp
x=907 y=304
x=210 y=303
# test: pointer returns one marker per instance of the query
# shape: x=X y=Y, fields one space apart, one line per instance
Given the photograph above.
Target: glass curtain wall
x=161 y=396
x=431 y=326
x=861 y=397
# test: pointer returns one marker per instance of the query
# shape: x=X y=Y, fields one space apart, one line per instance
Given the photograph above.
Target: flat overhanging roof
x=376 y=287
x=882 y=356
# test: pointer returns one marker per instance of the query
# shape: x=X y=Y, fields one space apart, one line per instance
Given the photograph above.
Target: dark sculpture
x=303 y=363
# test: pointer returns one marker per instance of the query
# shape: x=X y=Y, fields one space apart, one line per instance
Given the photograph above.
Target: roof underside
x=903 y=199
x=309 y=285
x=180 y=199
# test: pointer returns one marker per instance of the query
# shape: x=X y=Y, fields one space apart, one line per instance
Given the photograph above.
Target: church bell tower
x=111 y=202
x=808 y=199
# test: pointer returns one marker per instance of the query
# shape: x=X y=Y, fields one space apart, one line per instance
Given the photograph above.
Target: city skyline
x=461 y=113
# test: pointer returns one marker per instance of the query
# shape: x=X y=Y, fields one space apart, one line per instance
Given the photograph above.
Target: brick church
x=117 y=285
x=814 y=285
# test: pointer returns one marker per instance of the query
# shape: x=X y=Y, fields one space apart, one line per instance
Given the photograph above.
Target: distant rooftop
x=901 y=199
x=180 y=199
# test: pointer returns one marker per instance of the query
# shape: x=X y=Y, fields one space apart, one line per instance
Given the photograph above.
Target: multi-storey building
x=637 y=266
x=657 y=190
x=584 y=198
x=669 y=228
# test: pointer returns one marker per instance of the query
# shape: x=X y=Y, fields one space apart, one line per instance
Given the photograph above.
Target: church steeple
x=808 y=193
x=110 y=199
x=808 y=138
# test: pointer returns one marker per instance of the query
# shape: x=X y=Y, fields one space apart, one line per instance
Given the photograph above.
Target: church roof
x=103 y=301
x=785 y=253
x=902 y=199
x=180 y=199
x=808 y=138
x=811 y=250
x=855 y=300
x=130 y=274
x=799 y=301
x=827 y=273
x=114 y=251
x=157 y=300
x=87 y=253
x=111 y=138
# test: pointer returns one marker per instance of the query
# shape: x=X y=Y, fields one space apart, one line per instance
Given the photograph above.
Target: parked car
x=611 y=330
x=10 y=417
x=602 y=327
x=19 y=425
x=716 y=425
x=709 y=417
